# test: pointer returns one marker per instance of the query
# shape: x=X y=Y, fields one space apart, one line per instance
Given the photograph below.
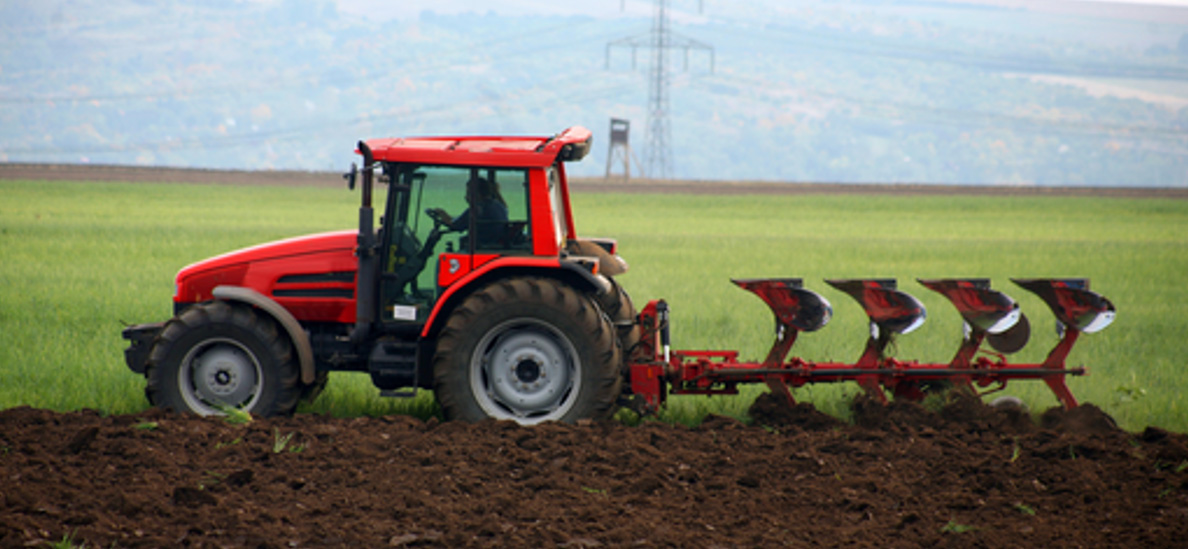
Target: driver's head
x=481 y=190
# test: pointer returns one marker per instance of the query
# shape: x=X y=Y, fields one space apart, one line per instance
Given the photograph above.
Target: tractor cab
x=458 y=209
x=441 y=221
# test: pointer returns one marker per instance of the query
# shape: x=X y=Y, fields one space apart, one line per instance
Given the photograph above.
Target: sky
x=789 y=83
x=386 y=9
x=1181 y=3
x=411 y=8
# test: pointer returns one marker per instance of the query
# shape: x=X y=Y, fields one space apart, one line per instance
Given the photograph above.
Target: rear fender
x=305 y=357
x=572 y=273
x=605 y=249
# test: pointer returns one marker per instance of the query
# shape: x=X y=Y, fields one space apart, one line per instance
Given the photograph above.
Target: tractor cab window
x=556 y=203
x=493 y=217
x=445 y=209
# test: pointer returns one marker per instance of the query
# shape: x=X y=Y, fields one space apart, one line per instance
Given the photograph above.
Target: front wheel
x=529 y=350
x=218 y=356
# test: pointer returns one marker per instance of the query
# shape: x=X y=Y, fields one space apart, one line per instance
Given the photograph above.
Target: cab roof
x=513 y=151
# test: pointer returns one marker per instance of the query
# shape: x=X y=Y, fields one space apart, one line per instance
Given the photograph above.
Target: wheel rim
x=526 y=371
x=218 y=373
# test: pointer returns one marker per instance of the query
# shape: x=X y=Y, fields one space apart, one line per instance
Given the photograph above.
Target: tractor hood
x=313 y=276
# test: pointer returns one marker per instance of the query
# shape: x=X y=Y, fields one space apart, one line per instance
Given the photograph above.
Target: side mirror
x=350 y=176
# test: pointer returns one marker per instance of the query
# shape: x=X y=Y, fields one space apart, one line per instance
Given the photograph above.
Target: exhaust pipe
x=366 y=276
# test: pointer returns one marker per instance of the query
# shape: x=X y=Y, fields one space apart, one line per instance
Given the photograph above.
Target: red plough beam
x=990 y=316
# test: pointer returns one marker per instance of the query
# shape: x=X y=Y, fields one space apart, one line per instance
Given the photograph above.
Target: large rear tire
x=218 y=355
x=529 y=350
x=618 y=306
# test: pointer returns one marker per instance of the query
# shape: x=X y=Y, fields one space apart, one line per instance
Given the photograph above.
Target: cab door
x=488 y=214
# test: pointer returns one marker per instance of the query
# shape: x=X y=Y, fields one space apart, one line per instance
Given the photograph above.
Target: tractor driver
x=488 y=208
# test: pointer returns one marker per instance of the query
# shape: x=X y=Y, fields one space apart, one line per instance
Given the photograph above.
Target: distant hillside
x=581 y=185
x=985 y=92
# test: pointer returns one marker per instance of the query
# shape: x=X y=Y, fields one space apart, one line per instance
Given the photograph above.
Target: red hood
x=279 y=249
x=314 y=274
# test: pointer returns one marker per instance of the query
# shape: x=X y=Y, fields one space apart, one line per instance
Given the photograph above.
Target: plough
x=989 y=315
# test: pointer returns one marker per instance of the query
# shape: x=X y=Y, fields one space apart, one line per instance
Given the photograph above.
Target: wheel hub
x=526 y=372
x=221 y=373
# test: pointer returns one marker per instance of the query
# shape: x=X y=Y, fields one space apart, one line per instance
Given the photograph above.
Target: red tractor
x=499 y=308
x=477 y=286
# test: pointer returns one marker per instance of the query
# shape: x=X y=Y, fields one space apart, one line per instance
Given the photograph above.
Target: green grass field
x=79 y=260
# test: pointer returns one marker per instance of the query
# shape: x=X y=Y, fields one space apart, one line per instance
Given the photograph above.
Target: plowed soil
x=900 y=476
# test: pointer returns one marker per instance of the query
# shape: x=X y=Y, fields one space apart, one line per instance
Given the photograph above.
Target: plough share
x=989 y=316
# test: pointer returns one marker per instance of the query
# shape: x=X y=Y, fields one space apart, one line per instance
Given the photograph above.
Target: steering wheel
x=438 y=217
x=412 y=268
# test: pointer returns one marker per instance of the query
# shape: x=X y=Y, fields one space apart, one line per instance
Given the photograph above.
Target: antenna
x=657 y=156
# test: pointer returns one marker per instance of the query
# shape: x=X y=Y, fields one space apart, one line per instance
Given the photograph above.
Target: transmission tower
x=661 y=39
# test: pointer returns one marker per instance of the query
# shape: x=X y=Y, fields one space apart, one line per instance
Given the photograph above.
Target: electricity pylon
x=660 y=40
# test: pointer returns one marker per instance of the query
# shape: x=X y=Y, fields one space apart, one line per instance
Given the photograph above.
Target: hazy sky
x=604 y=8
x=411 y=8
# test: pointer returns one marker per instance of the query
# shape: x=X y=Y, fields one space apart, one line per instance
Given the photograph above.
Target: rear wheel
x=218 y=355
x=618 y=306
x=529 y=350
